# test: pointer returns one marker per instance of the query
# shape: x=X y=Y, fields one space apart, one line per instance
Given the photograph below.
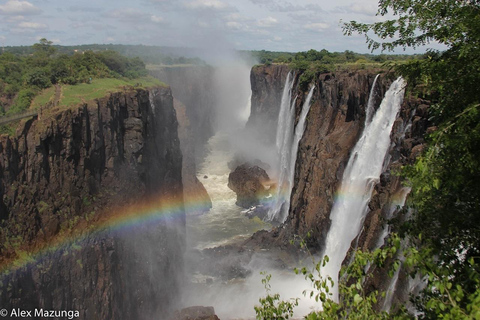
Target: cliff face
x=73 y=170
x=267 y=83
x=333 y=126
x=194 y=104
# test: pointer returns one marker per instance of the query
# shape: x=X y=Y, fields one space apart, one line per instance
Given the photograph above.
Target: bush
x=37 y=77
x=22 y=102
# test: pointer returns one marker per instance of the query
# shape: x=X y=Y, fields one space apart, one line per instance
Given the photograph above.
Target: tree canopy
x=445 y=180
x=23 y=76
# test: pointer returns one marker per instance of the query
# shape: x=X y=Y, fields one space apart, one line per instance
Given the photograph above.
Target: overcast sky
x=278 y=25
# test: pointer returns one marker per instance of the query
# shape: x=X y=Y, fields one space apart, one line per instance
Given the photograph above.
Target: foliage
x=355 y=302
x=443 y=298
x=23 y=76
x=445 y=180
x=418 y=22
x=73 y=95
x=22 y=102
x=271 y=307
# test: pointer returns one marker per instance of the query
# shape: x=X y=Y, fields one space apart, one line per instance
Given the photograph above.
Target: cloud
x=32 y=25
x=28 y=27
x=129 y=15
x=285 y=6
x=234 y=25
x=84 y=9
x=16 y=7
x=206 y=4
x=157 y=19
x=368 y=9
x=267 y=22
x=318 y=26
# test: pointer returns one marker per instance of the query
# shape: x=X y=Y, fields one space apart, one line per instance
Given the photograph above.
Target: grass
x=43 y=98
x=99 y=88
x=75 y=94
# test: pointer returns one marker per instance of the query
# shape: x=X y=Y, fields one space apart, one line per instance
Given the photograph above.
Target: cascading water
x=287 y=146
x=363 y=170
x=371 y=102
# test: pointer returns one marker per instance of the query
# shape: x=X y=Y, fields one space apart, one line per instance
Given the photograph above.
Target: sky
x=276 y=25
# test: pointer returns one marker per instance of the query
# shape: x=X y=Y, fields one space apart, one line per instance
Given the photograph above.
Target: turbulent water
x=362 y=172
x=225 y=222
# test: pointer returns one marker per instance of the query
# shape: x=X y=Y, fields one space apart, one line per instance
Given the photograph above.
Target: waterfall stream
x=371 y=103
x=362 y=172
x=287 y=140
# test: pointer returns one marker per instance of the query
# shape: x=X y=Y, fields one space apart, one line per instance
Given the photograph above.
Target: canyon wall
x=333 y=126
x=193 y=89
x=74 y=169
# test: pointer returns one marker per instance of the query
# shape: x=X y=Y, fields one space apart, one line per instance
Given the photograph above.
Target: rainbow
x=149 y=211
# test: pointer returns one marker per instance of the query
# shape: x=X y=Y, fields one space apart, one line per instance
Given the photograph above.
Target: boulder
x=250 y=183
x=195 y=313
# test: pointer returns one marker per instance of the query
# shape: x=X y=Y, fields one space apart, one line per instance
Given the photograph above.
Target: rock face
x=195 y=195
x=249 y=183
x=333 y=126
x=75 y=170
x=267 y=84
x=194 y=104
x=196 y=313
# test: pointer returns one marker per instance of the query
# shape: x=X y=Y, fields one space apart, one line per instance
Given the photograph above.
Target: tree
x=43 y=48
x=445 y=180
x=418 y=22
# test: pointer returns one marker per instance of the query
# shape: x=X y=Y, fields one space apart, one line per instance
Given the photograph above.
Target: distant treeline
x=266 y=57
x=148 y=54
x=311 y=63
x=24 y=72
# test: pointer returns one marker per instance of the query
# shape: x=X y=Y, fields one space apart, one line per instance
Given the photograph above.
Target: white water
x=397 y=203
x=362 y=172
x=287 y=140
x=387 y=303
x=371 y=102
x=225 y=222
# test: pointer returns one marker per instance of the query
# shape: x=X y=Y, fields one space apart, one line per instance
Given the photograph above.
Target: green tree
x=445 y=180
x=43 y=48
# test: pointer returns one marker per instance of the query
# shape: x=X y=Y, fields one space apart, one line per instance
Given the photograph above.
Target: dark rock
x=250 y=185
x=81 y=167
x=195 y=313
x=267 y=84
x=195 y=195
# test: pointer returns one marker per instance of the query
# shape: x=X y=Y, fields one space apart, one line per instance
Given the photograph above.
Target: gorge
x=182 y=241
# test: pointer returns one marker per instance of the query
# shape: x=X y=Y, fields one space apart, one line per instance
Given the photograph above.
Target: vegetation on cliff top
x=311 y=63
x=23 y=77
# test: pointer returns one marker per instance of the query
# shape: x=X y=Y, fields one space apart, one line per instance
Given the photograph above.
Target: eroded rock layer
x=333 y=126
x=65 y=181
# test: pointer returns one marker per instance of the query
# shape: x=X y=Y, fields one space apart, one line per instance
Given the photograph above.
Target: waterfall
x=151 y=96
x=287 y=141
x=397 y=203
x=387 y=303
x=371 y=103
x=362 y=172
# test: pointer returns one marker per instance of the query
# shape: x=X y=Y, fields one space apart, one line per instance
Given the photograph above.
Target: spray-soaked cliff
x=193 y=89
x=333 y=126
x=83 y=189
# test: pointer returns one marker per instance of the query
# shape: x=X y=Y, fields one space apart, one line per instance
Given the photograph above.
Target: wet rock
x=196 y=313
x=86 y=164
x=250 y=185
